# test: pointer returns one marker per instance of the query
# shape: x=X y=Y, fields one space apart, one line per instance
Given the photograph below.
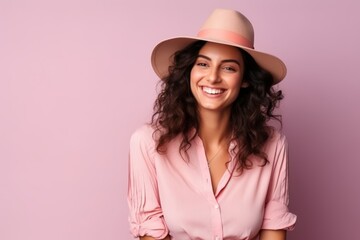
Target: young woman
x=209 y=166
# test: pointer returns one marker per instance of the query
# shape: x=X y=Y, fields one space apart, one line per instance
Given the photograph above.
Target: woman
x=209 y=166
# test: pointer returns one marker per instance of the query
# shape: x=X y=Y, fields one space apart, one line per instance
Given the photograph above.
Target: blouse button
x=216 y=206
x=217 y=238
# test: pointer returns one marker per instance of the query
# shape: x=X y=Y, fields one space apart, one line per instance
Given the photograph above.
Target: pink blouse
x=168 y=195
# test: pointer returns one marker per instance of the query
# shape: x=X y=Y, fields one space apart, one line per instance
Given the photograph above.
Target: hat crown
x=228 y=26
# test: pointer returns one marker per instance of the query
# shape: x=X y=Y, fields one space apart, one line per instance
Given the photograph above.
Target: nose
x=213 y=75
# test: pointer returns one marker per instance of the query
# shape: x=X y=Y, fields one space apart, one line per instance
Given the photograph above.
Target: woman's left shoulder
x=277 y=139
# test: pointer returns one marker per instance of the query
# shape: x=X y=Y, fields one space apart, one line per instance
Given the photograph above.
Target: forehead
x=216 y=50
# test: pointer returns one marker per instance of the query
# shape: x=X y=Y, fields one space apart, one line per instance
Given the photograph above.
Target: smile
x=212 y=91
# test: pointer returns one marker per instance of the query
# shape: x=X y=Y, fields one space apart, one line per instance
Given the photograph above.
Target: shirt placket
x=216 y=222
x=215 y=209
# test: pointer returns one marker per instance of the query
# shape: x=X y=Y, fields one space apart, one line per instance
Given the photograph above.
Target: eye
x=202 y=64
x=229 y=69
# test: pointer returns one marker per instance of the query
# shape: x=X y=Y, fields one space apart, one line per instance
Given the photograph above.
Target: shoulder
x=276 y=138
x=143 y=135
x=143 y=131
x=276 y=145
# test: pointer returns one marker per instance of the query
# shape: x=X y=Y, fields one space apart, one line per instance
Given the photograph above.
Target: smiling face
x=216 y=77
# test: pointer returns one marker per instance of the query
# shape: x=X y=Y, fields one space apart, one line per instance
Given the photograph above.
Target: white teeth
x=212 y=90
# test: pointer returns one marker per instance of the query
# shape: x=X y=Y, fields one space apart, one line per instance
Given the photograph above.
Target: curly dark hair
x=175 y=111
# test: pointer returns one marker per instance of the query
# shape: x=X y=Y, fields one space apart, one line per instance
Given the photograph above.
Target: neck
x=214 y=127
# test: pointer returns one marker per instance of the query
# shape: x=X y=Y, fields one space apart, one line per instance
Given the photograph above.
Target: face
x=216 y=77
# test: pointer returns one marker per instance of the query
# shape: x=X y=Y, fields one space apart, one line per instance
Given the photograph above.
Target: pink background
x=75 y=81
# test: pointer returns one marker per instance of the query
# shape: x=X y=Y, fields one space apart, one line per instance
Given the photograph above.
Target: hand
x=272 y=235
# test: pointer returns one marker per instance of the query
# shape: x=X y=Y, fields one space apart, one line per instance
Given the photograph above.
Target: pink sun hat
x=223 y=26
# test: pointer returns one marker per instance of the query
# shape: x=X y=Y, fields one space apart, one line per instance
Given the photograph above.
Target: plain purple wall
x=76 y=80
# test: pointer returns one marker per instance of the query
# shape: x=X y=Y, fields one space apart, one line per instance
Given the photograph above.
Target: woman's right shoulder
x=144 y=132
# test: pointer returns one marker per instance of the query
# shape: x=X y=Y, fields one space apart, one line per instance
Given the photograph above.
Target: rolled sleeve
x=277 y=215
x=145 y=213
x=152 y=227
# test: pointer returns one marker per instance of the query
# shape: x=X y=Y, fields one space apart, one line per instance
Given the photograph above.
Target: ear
x=244 y=84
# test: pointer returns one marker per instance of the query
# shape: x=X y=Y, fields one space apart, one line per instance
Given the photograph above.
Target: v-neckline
x=225 y=176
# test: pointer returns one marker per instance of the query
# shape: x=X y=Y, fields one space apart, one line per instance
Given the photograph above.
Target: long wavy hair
x=175 y=109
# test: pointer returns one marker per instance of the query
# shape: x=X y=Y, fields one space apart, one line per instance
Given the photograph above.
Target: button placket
x=209 y=195
x=216 y=221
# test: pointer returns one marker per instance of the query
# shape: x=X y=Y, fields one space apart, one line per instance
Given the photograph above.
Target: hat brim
x=161 y=57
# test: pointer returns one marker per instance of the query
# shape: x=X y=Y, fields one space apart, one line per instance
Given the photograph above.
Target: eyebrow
x=223 y=61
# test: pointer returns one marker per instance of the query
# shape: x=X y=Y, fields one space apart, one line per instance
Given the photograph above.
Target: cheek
x=192 y=88
x=193 y=80
x=235 y=85
x=194 y=74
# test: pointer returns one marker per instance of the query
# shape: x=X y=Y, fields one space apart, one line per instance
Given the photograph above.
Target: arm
x=272 y=235
x=277 y=217
x=145 y=212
